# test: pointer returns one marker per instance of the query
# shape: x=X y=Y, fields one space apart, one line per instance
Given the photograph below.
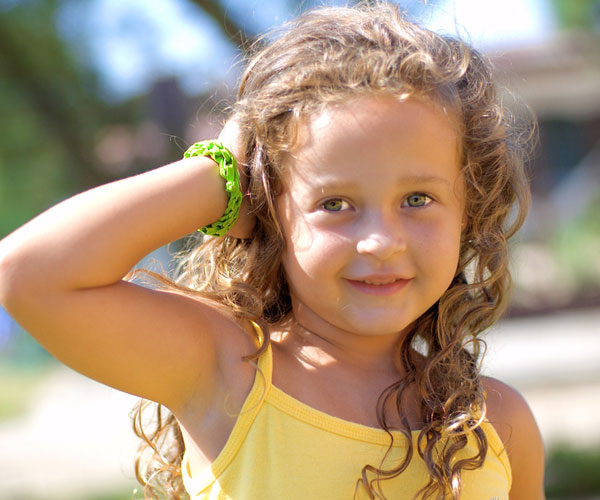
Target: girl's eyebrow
x=424 y=179
x=327 y=184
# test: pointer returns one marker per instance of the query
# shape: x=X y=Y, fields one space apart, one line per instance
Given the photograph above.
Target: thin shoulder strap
x=265 y=361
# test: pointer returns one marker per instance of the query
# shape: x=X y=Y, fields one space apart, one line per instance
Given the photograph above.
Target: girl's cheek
x=301 y=235
x=319 y=229
x=326 y=244
x=436 y=238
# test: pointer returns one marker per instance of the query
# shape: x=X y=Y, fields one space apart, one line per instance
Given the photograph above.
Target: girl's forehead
x=363 y=137
x=356 y=116
x=370 y=122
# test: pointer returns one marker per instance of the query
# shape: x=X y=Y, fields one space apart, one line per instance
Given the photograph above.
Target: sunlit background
x=92 y=91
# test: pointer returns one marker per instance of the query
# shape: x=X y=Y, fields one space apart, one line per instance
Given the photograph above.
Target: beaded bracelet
x=228 y=170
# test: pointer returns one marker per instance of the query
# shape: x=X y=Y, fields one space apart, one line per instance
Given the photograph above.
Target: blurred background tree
x=582 y=14
x=50 y=110
x=62 y=133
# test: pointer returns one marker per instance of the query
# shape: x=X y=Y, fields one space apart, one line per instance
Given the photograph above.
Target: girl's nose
x=381 y=244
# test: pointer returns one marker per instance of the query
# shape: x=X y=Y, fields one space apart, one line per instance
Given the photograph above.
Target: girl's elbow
x=17 y=282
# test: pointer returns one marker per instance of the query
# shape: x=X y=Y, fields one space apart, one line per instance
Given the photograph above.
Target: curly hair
x=328 y=56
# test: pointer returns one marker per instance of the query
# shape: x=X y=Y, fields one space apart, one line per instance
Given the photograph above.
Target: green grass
x=573 y=474
x=129 y=495
x=17 y=387
x=118 y=495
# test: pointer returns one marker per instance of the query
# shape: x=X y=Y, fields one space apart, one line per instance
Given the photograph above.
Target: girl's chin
x=355 y=317
x=374 y=326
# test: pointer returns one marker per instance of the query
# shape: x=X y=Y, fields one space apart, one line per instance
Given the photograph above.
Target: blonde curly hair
x=328 y=56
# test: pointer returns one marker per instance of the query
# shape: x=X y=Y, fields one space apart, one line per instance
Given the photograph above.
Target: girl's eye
x=417 y=200
x=335 y=205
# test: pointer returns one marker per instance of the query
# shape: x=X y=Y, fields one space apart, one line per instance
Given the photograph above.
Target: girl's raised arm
x=61 y=278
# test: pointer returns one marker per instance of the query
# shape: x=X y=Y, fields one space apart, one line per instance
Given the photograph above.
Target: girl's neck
x=317 y=343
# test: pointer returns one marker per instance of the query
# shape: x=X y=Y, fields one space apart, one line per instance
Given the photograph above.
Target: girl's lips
x=379 y=287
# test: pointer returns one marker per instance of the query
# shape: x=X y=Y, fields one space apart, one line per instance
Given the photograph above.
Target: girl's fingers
x=244 y=226
x=231 y=137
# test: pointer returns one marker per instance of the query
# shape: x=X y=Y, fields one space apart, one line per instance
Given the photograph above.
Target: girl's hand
x=230 y=136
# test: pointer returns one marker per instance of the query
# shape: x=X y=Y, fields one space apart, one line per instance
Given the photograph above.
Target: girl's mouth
x=383 y=287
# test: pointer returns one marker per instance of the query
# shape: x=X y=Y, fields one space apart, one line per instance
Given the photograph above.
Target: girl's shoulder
x=514 y=422
x=507 y=409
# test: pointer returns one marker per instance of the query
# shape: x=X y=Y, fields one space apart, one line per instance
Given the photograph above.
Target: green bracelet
x=228 y=170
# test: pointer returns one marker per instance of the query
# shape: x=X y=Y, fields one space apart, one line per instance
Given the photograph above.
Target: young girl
x=327 y=346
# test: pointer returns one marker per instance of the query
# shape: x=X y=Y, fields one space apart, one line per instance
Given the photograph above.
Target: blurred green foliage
x=577 y=14
x=573 y=474
x=54 y=111
x=17 y=388
x=116 y=496
x=577 y=246
x=51 y=107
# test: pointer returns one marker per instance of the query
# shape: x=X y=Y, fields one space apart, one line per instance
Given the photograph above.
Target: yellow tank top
x=283 y=449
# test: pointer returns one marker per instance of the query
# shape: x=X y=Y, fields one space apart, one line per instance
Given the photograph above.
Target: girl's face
x=372 y=212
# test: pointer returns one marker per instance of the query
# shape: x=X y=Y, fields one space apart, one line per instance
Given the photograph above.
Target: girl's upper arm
x=158 y=345
x=512 y=418
x=61 y=277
